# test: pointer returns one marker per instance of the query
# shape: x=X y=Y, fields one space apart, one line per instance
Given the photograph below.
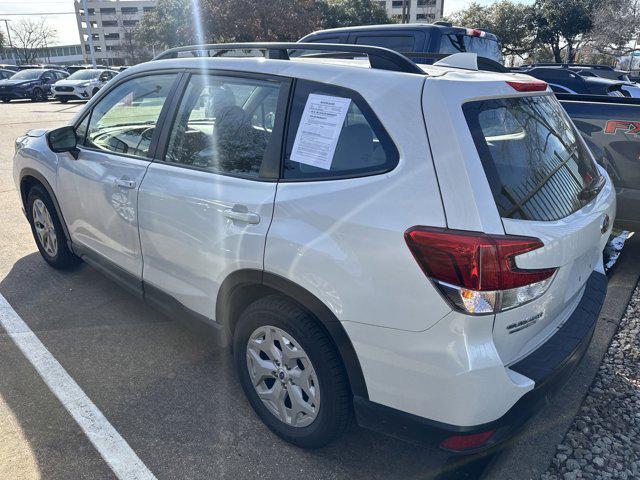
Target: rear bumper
x=549 y=367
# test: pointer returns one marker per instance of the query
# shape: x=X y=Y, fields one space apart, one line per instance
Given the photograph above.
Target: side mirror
x=63 y=139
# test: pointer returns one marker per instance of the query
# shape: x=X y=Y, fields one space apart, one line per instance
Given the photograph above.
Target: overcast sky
x=65 y=22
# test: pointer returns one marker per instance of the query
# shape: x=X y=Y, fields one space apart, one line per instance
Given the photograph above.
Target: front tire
x=63 y=99
x=47 y=230
x=292 y=373
x=5 y=100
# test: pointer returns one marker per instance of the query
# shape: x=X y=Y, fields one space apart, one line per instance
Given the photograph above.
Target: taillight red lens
x=532 y=86
x=460 y=443
x=474 y=260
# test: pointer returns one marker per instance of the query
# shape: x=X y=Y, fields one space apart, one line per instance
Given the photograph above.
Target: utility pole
x=89 y=33
x=13 y=52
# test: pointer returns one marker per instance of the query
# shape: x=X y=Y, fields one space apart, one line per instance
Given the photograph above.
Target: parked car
x=563 y=80
x=591 y=70
x=34 y=84
x=8 y=66
x=71 y=69
x=48 y=66
x=6 y=73
x=430 y=258
x=81 y=85
x=438 y=37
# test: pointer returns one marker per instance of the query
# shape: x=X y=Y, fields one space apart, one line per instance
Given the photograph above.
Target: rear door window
x=535 y=162
x=400 y=43
x=362 y=146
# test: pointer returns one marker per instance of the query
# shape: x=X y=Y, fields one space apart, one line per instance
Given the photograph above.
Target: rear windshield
x=484 y=47
x=536 y=166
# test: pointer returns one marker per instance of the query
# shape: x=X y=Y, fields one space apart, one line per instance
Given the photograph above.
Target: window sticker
x=319 y=130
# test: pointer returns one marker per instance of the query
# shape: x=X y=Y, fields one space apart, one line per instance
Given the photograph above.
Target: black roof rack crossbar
x=379 y=58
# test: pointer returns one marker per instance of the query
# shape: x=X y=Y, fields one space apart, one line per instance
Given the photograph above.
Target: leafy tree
x=170 y=24
x=563 y=24
x=267 y=20
x=508 y=20
x=345 y=13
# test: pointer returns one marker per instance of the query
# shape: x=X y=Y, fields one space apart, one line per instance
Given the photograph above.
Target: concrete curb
x=529 y=454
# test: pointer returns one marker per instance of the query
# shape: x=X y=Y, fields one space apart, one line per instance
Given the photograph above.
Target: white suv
x=419 y=245
x=81 y=85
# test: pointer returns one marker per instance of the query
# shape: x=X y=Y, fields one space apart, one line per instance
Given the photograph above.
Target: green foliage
x=508 y=20
x=172 y=23
x=169 y=25
x=345 y=13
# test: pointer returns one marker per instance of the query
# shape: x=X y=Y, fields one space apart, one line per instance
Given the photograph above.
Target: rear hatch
x=545 y=185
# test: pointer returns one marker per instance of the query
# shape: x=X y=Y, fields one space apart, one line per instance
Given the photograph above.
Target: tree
x=345 y=13
x=616 y=27
x=563 y=24
x=30 y=35
x=266 y=20
x=508 y=20
x=170 y=24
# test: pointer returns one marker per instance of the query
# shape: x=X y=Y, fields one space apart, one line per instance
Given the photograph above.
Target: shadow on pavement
x=167 y=390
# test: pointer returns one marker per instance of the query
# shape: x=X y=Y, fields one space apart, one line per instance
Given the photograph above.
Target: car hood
x=71 y=83
x=36 y=132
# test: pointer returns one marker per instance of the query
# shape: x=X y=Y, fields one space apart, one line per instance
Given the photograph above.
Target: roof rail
x=430 y=58
x=379 y=58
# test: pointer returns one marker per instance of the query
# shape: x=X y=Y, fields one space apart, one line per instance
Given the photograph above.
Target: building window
x=109 y=23
x=129 y=23
x=107 y=11
x=129 y=10
x=112 y=36
x=147 y=9
x=426 y=3
x=425 y=16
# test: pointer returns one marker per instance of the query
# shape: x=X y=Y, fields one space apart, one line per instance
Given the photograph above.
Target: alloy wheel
x=283 y=376
x=44 y=228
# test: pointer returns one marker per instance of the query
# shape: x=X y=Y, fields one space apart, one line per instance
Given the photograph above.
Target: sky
x=65 y=23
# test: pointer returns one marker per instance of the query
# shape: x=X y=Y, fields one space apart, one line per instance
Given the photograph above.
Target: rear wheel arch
x=243 y=287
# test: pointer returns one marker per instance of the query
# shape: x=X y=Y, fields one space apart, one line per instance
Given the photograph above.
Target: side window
x=401 y=43
x=225 y=124
x=333 y=133
x=124 y=120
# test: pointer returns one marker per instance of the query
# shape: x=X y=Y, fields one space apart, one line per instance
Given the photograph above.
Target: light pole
x=89 y=33
x=13 y=52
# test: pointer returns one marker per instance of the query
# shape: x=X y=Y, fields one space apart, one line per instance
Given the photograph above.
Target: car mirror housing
x=63 y=139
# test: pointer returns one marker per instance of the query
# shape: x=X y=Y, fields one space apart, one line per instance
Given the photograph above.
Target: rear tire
x=5 y=100
x=47 y=230
x=316 y=403
x=38 y=95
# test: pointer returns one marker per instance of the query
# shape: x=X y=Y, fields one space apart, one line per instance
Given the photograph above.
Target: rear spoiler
x=484 y=63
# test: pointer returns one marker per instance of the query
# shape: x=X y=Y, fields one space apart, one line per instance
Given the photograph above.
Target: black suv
x=433 y=38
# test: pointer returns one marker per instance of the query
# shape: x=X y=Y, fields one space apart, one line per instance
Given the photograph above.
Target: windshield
x=484 y=47
x=27 y=75
x=85 y=75
x=536 y=165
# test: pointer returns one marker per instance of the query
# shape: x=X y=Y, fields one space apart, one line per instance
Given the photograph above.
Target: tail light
x=529 y=86
x=477 y=272
x=475 y=32
x=460 y=443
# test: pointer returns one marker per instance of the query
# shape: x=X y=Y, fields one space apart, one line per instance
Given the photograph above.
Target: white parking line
x=110 y=445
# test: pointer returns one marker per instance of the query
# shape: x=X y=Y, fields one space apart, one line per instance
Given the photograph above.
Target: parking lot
x=169 y=393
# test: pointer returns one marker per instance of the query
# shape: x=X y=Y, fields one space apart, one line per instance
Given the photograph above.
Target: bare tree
x=30 y=35
x=616 y=27
x=133 y=50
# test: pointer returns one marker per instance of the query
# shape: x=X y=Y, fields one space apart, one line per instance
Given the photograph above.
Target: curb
x=529 y=454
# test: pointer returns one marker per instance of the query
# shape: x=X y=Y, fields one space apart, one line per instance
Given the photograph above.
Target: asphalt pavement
x=165 y=388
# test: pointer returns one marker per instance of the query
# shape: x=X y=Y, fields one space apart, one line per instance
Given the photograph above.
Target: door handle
x=247 y=217
x=125 y=183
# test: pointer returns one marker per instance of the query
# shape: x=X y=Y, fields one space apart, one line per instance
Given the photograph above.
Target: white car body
x=341 y=241
x=72 y=89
